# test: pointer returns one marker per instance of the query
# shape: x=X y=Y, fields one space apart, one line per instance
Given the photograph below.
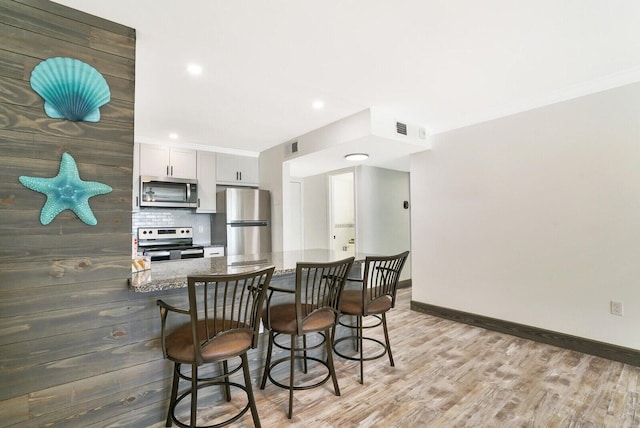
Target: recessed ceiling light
x=356 y=156
x=173 y=136
x=317 y=104
x=194 y=69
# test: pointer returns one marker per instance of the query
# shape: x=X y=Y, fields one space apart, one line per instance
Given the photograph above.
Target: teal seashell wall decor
x=71 y=89
x=66 y=191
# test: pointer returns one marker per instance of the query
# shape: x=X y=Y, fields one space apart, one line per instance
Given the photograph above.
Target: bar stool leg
x=194 y=394
x=386 y=338
x=332 y=370
x=227 y=388
x=360 y=345
x=247 y=382
x=267 y=362
x=358 y=329
x=304 y=351
x=291 y=372
x=174 y=393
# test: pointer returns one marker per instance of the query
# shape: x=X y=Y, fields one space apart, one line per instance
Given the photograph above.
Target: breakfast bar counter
x=172 y=274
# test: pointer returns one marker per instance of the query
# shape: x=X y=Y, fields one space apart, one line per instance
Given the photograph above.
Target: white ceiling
x=440 y=64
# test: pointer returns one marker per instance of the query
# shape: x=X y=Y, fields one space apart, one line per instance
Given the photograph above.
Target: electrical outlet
x=616 y=308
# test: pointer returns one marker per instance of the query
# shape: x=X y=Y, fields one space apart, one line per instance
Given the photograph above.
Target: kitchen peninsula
x=172 y=274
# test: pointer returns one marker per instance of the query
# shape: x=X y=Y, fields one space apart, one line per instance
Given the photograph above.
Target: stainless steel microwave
x=168 y=192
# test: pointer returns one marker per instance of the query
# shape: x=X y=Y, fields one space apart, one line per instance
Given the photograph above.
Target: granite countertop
x=171 y=274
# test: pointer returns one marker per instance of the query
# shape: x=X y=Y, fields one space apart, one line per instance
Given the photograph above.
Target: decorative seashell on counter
x=71 y=89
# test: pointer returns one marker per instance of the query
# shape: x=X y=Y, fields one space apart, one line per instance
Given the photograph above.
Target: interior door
x=342 y=213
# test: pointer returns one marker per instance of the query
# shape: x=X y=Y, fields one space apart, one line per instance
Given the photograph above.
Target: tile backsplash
x=159 y=217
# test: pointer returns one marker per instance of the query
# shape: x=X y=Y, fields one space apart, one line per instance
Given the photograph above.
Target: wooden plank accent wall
x=77 y=348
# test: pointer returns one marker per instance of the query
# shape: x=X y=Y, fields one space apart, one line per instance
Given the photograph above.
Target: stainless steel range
x=168 y=243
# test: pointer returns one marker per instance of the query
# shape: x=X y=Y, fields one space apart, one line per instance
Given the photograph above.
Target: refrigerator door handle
x=249 y=223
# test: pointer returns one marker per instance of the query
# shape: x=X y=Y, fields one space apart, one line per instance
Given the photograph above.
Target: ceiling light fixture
x=194 y=69
x=317 y=104
x=173 y=136
x=356 y=157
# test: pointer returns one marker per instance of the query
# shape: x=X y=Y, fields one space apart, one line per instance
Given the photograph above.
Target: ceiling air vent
x=401 y=128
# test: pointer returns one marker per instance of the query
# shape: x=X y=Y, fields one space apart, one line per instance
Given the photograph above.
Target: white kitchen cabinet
x=237 y=170
x=135 y=185
x=166 y=161
x=206 y=167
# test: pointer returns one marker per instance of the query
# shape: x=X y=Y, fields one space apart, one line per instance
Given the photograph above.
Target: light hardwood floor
x=449 y=374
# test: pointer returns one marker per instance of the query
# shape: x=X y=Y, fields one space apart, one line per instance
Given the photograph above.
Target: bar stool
x=222 y=324
x=375 y=296
x=314 y=310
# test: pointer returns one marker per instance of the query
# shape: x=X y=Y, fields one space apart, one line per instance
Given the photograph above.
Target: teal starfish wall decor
x=66 y=191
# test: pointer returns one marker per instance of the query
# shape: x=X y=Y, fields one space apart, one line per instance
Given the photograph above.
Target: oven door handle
x=156 y=253
x=193 y=251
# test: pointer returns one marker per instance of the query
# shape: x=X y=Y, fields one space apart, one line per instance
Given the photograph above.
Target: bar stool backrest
x=381 y=276
x=318 y=288
x=221 y=304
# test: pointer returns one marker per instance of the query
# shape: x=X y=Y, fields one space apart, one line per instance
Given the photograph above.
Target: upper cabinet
x=237 y=170
x=135 y=197
x=164 y=161
x=206 y=182
x=209 y=168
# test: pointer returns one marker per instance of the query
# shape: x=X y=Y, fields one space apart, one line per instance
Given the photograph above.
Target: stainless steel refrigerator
x=243 y=221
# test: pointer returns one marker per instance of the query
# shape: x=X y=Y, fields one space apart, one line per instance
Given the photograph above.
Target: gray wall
x=534 y=218
x=76 y=349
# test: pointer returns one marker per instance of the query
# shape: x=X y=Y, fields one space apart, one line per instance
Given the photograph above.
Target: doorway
x=342 y=213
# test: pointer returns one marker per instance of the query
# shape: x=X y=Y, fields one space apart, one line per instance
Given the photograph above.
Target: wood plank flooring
x=449 y=374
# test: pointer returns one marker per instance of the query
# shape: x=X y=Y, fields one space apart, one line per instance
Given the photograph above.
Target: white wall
x=316 y=214
x=535 y=218
x=274 y=177
x=382 y=224
x=293 y=217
